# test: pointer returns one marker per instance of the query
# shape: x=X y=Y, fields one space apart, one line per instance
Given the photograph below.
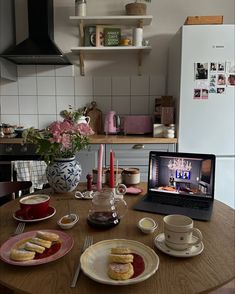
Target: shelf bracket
x=81 y=42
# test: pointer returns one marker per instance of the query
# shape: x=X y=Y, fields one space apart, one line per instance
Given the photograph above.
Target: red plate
x=66 y=245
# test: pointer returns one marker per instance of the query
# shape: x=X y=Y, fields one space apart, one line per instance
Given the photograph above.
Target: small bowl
x=68 y=221
x=147 y=225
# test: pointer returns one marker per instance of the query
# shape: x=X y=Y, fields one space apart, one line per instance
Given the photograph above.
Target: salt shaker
x=80 y=7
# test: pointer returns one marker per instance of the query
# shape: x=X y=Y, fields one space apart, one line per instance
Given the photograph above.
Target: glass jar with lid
x=80 y=7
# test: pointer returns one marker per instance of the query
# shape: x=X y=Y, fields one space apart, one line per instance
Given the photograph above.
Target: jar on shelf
x=131 y=176
x=169 y=131
x=80 y=7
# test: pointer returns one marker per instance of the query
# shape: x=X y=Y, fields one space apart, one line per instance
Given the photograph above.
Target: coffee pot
x=106 y=210
x=112 y=123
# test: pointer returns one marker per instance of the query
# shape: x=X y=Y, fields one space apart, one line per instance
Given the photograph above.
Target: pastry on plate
x=34 y=247
x=118 y=271
x=41 y=242
x=120 y=250
x=21 y=255
x=47 y=236
x=121 y=258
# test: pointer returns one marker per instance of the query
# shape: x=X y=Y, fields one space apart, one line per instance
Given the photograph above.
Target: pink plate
x=51 y=211
x=66 y=245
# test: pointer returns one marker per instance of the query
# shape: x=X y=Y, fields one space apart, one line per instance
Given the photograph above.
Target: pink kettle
x=112 y=123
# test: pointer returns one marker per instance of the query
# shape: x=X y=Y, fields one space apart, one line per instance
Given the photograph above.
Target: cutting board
x=95 y=115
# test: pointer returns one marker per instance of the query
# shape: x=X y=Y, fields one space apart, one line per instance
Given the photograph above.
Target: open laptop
x=180 y=183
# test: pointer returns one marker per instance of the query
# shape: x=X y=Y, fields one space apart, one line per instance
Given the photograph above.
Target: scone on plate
x=120 y=250
x=41 y=242
x=118 y=271
x=21 y=255
x=121 y=258
x=47 y=236
x=34 y=247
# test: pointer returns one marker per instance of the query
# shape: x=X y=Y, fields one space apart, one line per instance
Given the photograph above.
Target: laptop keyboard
x=182 y=202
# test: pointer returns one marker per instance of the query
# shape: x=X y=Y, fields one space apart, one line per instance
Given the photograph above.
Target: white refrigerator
x=201 y=78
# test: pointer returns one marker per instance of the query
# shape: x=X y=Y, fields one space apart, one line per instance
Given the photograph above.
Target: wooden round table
x=205 y=272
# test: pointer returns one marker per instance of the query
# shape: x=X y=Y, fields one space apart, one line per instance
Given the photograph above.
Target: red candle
x=111 y=174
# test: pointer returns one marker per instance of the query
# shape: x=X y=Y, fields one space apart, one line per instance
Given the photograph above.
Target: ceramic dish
x=193 y=251
x=68 y=221
x=94 y=261
x=50 y=213
x=147 y=225
x=66 y=246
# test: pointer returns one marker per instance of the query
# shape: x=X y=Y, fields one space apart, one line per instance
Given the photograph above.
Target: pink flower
x=84 y=129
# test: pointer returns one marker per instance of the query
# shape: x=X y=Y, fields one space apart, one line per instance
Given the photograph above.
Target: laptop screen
x=185 y=174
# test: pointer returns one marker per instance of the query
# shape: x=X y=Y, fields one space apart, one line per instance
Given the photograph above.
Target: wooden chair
x=8 y=188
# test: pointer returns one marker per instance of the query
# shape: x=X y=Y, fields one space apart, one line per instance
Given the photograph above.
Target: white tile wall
x=42 y=91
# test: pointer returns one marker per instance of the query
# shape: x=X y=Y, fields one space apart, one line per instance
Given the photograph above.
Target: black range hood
x=39 y=47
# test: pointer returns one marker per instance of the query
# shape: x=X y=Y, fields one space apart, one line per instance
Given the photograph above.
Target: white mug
x=179 y=232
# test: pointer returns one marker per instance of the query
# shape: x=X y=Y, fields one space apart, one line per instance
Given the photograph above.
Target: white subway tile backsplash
x=139 y=105
x=11 y=119
x=157 y=85
x=103 y=103
x=43 y=91
x=46 y=85
x=83 y=101
x=29 y=120
x=140 y=85
x=83 y=85
x=64 y=70
x=121 y=86
x=45 y=70
x=9 y=88
x=26 y=70
x=46 y=104
x=63 y=103
x=45 y=120
x=121 y=104
x=9 y=105
x=64 y=86
x=102 y=86
x=28 y=105
x=27 y=85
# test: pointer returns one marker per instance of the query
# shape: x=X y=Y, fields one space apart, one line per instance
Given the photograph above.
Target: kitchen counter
x=110 y=139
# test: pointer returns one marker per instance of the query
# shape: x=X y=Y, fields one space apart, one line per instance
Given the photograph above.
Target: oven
x=10 y=152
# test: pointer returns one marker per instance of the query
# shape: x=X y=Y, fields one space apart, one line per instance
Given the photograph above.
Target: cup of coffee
x=34 y=206
x=180 y=233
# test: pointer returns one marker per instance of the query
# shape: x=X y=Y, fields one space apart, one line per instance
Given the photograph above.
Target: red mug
x=33 y=206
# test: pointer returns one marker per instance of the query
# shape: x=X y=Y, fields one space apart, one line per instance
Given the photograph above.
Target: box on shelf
x=112 y=36
x=198 y=20
x=90 y=36
x=100 y=36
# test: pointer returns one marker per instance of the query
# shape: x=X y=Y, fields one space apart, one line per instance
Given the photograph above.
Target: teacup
x=33 y=206
x=180 y=233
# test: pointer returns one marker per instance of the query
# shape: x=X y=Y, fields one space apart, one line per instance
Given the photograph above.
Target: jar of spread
x=169 y=131
x=131 y=176
x=95 y=175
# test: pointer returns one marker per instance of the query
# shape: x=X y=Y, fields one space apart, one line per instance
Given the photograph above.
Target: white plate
x=51 y=212
x=94 y=261
x=66 y=246
x=159 y=242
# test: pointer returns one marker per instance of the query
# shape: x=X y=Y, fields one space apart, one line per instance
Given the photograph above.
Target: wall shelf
x=122 y=20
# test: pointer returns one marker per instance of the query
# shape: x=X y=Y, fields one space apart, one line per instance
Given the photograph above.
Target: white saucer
x=50 y=213
x=159 y=242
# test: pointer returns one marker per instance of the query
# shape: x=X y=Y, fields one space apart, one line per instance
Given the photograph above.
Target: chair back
x=7 y=188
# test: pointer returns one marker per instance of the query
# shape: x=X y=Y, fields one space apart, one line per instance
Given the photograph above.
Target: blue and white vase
x=64 y=174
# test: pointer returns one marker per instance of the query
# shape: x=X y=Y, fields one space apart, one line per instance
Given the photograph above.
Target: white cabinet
x=122 y=20
x=136 y=155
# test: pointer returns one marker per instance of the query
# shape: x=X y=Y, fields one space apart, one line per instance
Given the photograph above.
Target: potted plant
x=58 y=145
x=137 y=8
